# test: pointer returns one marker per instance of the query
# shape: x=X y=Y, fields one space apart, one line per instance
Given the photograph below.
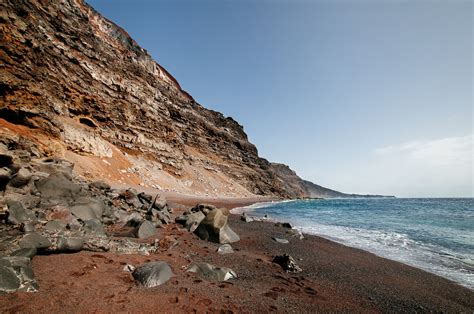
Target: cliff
x=81 y=88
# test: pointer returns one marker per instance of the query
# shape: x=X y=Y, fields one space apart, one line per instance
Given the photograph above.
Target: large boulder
x=212 y=272
x=152 y=274
x=214 y=226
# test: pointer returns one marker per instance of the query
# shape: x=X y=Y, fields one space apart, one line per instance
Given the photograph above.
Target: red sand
x=334 y=278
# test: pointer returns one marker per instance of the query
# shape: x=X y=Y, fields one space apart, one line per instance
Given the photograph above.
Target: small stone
x=284 y=225
x=287 y=263
x=282 y=241
x=129 y=268
x=246 y=218
x=212 y=272
x=26 y=252
x=225 y=249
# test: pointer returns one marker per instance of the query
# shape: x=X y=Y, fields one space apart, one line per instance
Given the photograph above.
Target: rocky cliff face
x=81 y=87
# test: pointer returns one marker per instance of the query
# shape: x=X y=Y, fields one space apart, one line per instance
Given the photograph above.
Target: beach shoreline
x=334 y=277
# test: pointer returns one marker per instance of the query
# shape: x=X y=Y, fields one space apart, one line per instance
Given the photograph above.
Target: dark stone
x=152 y=274
x=25 y=252
x=287 y=263
x=5 y=176
x=35 y=240
x=100 y=185
x=246 y=218
x=9 y=282
x=214 y=227
x=57 y=187
x=284 y=225
x=144 y=197
x=21 y=178
x=18 y=214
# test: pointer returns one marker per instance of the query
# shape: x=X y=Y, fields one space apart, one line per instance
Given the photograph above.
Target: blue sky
x=359 y=96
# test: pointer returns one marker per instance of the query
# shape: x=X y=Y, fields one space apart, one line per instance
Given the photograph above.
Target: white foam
x=399 y=247
x=253 y=207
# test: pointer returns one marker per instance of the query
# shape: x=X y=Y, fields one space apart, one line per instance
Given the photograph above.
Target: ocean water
x=436 y=235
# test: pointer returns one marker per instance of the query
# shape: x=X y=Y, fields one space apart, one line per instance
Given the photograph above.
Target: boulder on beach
x=214 y=226
x=212 y=272
x=152 y=274
x=288 y=263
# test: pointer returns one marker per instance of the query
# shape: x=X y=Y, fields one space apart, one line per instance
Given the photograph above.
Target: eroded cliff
x=82 y=88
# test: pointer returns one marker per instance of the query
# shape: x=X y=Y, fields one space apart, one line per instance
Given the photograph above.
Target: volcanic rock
x=35 y=240
x=18 y=214
x=287 y=262
x=214 y=227
x=212 y=272
x=22 y=177
x=146 y=230
x=152 y=274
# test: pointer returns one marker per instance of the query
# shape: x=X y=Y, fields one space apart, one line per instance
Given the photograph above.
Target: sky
x=358 y=96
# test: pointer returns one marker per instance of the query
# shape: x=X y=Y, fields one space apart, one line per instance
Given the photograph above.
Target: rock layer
x=82 y=87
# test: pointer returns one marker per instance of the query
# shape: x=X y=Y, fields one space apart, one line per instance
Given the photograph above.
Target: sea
x=434 y=234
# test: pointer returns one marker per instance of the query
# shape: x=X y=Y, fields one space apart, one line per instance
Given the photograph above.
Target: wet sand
x=334 y=278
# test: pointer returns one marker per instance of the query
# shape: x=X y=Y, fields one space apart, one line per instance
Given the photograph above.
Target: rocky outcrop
x=299 y=188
